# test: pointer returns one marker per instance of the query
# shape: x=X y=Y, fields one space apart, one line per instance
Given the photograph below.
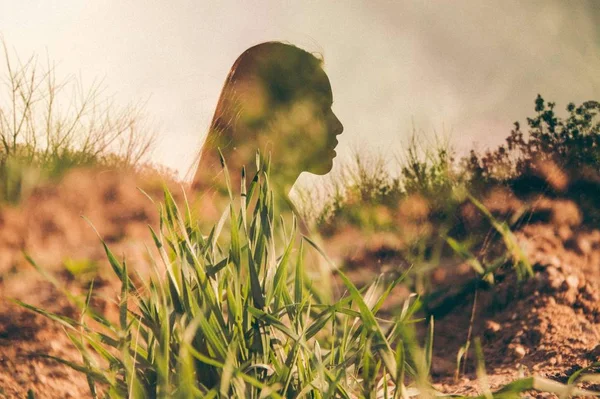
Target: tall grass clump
x=356 y=194
x=48 y=126
x=232 y=313
x=429 y=169
x=368 y=192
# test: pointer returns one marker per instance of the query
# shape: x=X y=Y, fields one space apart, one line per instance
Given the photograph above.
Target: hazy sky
x=466 y=68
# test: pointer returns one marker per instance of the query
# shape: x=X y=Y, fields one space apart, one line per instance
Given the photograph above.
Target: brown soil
x=548 y=325
x=49 y=226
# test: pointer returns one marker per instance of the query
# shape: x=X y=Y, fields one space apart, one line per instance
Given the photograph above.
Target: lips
x=332 y=149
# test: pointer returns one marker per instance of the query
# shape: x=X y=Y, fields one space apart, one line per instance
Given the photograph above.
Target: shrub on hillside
x=571 y=143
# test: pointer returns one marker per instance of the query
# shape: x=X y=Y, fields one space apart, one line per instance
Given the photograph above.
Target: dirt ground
x=50 y=228
x=548 y=325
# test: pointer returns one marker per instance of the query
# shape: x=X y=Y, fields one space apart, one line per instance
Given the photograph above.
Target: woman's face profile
x=325 y=140
x=305 y=133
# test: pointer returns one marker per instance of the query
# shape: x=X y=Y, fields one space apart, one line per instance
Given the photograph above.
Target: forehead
x=322 y=86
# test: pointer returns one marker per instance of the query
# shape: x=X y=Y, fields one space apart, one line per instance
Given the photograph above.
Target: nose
x=338 y=127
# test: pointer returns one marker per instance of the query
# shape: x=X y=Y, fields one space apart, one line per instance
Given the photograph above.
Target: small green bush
x=571 y=143
x=429 y=171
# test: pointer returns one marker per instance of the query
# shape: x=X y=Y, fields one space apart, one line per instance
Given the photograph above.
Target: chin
x=322 y=169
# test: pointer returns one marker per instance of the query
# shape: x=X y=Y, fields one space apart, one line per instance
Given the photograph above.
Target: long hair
x=264 y=79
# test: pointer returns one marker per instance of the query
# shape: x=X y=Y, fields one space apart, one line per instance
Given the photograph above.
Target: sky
x=466 y=69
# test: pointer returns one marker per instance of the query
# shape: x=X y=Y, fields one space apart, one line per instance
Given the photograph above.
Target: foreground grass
x=234 y=313
x=228 y=315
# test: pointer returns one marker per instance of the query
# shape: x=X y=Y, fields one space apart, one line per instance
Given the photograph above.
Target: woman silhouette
x=276 y=100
